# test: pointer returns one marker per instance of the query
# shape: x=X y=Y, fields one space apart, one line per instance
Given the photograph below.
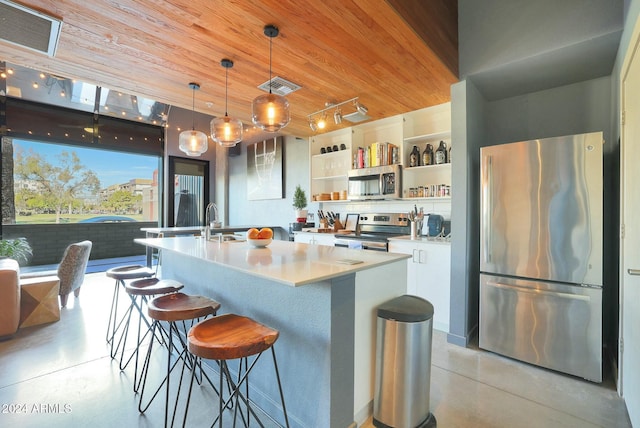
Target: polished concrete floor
x=61 y=375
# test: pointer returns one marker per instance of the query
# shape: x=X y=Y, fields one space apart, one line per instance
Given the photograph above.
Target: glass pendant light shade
x=226 y=131
x=270 y=112
x=193 y=143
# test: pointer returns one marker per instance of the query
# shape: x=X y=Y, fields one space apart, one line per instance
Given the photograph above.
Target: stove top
x=379 y=236
x=381 y=226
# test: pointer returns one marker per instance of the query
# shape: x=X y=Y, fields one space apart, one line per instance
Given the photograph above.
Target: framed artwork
x=265 y=170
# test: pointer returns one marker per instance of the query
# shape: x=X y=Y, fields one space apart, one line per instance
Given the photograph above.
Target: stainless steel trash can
x=403 y=364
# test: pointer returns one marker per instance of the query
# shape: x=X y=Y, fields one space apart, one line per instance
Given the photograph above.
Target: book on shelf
x=377 y=154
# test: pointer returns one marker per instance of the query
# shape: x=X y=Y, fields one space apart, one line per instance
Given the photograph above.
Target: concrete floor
x=61 y=375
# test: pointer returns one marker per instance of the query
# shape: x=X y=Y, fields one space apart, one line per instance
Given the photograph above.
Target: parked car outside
x=107 y=219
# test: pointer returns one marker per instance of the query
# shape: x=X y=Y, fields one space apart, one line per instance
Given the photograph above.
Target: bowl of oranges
x=259 y=237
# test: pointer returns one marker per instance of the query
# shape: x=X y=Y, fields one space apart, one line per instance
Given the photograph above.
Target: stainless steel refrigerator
x=541 y=252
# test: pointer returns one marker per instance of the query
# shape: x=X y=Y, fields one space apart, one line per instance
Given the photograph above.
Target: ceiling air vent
x=355 y=117
x=279 y=86
x=28 y=28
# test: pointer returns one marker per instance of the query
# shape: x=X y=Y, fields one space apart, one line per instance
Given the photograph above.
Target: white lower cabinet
x=428 y=274
x=314 y=238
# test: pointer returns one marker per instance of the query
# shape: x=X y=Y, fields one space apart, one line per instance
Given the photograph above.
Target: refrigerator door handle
x=633 y=271
x=487 y=195
x=521 y=289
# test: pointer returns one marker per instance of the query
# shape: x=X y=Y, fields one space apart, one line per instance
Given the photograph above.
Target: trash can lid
x=406 y=308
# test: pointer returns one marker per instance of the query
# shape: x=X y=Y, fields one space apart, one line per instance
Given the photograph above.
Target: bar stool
x=228 y=337
x=120 y=274
x=142 y=289
x=175 y=309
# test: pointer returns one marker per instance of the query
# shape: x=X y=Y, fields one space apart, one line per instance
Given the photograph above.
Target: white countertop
x=190 y=229
x=286 y=262
x=422 y=239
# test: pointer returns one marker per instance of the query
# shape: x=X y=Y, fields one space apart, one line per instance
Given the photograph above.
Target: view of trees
x=63 y=186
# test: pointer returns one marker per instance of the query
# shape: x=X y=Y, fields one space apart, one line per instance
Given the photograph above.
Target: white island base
x=324 y=308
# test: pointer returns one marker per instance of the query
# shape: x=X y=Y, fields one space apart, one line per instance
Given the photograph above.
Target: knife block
x=337 y=225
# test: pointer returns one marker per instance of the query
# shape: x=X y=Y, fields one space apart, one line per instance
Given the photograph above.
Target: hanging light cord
x=193 y=108
x=226 y=93
x=270 y=60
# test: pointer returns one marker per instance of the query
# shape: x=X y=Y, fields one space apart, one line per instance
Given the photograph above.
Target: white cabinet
x=421 y=127
x=428 y=274
x=314 y=238
x=329 y=167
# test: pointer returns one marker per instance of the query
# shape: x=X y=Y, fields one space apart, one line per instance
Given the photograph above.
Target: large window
x=55 y=183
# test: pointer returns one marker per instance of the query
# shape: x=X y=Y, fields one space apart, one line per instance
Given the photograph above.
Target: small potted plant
x=300 y=203
x=18 y=249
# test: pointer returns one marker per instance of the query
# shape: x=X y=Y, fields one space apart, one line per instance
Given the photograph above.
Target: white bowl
x=259 y=242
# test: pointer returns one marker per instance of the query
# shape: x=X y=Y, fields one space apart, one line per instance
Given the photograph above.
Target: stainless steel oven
x=374 y=230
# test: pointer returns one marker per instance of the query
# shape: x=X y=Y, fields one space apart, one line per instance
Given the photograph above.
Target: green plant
x=18 y=249
x=299 y=198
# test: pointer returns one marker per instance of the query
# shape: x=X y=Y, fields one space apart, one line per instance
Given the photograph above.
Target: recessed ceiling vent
x=28 y=28
x=279 y=86
x=355 y=117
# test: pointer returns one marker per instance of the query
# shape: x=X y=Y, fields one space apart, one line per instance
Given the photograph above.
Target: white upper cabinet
x=385 y=141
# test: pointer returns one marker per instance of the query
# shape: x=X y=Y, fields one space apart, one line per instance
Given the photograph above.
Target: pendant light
x=193 y=143
x=270 y=112
x=226 y=131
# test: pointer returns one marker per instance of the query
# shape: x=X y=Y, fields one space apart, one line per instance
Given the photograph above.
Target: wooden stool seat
x=130 y=272
x=230 y=336
x=177 y=309
x=151 y=286
x=181 y=307
x=234 y=337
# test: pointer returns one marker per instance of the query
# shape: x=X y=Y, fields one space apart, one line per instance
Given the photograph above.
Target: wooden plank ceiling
x=334 y=49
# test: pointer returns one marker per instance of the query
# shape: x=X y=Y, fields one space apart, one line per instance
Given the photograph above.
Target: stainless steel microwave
x=379 y=182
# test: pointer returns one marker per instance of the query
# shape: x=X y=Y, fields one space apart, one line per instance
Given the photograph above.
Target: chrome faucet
x=211 y=223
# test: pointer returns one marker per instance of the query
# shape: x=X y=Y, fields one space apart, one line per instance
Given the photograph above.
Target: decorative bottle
x=441 y=153
x=427 y=155
x=414 y=157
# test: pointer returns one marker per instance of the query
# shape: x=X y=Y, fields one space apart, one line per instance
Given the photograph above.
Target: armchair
x=71 y=270
x=9 y=297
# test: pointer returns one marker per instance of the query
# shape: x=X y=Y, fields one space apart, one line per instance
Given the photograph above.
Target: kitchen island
x=322 y=300
x=159 y=232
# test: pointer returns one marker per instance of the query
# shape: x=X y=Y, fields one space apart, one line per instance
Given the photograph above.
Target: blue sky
x=110 y=167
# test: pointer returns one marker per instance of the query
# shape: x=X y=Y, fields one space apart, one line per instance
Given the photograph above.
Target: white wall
x=275 y=212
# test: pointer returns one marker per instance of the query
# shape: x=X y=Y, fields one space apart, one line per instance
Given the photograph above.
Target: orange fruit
x=265 y=233
x=253 y=233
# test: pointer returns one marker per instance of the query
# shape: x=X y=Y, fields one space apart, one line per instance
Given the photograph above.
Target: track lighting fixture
x=322 y=123
x=337 y=114
x=362 y=109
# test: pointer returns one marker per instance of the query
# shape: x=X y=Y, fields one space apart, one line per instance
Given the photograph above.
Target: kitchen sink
x=227 y=238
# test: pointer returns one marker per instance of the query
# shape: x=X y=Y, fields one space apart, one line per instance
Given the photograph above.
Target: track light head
x=337 y=116
x=361 y=108
x=313 y=125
